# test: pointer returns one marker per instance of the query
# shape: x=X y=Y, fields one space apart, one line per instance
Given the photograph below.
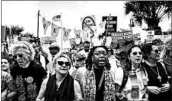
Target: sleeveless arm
x=42 y=90
x=77 y=91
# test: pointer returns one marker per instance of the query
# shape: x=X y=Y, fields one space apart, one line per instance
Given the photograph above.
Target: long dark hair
x=128 y=62
x=89 y=60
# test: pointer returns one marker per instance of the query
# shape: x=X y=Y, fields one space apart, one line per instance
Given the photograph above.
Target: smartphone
x=135 y=92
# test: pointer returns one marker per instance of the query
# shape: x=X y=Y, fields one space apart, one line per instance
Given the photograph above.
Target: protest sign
x=150 y=36
x=122 y=40
x=88 y=21
x=111 y=24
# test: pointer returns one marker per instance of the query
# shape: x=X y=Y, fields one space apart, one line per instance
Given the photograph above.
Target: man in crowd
x=41 y=57
x=27 y=74
x=86 y=49
x=54 y=50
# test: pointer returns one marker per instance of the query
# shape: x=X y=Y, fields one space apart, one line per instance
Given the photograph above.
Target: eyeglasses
x=156 y=51
x=100 y=52
x=81 y=59
x=19 y=55
x=135 y=53
x=61 y=63
x=53 y=48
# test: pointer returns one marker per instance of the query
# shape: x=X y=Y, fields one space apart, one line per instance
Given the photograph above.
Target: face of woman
x=155 y=53
x=62 y=65
x=22 y=56
x=135 y=55
x=5 y=64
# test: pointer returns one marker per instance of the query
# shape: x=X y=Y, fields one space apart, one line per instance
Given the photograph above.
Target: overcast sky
x=24 y=13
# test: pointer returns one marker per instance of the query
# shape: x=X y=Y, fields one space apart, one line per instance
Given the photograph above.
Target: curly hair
x=128 y=62
x=25 y=45
x=89 y=61
x=146 y=49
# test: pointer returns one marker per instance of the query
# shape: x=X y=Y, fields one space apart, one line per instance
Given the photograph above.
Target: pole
x=38 y=24
x=104 y=42
x=61 y=32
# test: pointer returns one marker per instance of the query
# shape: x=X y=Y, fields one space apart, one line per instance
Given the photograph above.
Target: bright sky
x=24 y=13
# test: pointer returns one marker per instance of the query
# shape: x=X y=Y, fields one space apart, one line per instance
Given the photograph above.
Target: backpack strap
x=125 y=79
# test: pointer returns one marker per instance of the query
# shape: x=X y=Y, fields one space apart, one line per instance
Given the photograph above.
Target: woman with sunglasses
x=27 y=74
x=134 y=87
x=60 y=86
x=158 y=85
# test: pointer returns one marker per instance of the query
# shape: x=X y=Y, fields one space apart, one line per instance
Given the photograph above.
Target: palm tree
x=16 y=30
x=151 y=12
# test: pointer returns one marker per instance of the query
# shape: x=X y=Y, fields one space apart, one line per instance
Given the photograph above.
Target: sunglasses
x=156 y=51
x=53 y=48
x=135 y=53
x=100 y=52
x=19 y=55
x=61 y=63
x=81 y=59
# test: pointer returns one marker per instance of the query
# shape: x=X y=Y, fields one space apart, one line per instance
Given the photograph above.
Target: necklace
x=157 y=73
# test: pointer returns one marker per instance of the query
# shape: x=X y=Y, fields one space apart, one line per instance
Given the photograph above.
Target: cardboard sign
x=111 y=24
x=88 y=21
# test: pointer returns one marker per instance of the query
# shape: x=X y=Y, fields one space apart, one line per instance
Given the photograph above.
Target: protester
x=158 y=85
x=78 y=62
x=96 y=79
x=135 y=85
x=27 y=74
x=8 y=88
x=61 y=86
x=41 y=57
x=54 y=50
x=86 y=49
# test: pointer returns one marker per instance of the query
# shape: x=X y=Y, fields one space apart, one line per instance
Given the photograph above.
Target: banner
x=54 y=30
x=46 y=24
x=77 y=33
x=73 y=43
x=66 y=33
x=56 y=18
x=122 y=40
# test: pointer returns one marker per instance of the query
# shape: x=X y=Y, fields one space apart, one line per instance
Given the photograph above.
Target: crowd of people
x=97 y=73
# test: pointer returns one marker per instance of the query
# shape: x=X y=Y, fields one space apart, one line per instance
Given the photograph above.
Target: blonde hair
x=61 y=54
x=24 y=45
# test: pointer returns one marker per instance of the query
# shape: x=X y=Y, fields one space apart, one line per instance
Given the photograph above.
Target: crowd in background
x=143 y=73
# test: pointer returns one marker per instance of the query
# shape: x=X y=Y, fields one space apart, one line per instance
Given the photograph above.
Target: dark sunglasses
x=19 y=55
x=53 y=48
x=100 y=52
x=156 y=51
x=135 y=53
x=61 y=63
x=81 y=59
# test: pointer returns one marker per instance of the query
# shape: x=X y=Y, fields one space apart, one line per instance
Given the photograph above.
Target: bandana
x=90 y=86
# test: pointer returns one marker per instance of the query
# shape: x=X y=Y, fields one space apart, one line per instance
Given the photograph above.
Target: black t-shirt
x=28 y=80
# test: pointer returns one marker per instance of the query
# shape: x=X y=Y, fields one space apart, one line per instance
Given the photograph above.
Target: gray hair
x=24 y=45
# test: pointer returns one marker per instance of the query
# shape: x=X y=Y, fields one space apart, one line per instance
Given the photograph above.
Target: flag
x=66 y=33
x=46 y=24
x=77 y=33
x=54 y=30
x=56 y=18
